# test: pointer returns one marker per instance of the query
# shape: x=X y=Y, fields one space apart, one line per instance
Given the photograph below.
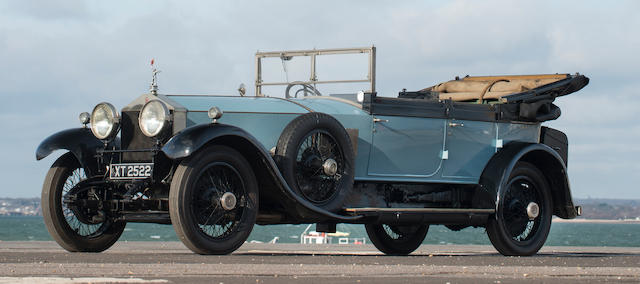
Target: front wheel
x=213 y=200
x=75 y=227
x=396 y=240
x=523 y=217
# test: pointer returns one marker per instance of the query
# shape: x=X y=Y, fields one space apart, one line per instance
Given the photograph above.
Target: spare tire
x=316 y=158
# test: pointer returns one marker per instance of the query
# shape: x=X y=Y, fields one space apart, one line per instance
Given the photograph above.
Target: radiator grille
x=133 y=139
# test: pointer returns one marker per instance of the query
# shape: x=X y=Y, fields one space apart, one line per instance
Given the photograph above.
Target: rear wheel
x=523 y=217
x=213 y=201
x=396 y=240
x=72 y=226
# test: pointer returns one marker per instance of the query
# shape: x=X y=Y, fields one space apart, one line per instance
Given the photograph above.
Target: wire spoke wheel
x=523 y=217
x=77 y=221
x=214 y=181
x=318 y=151
x=315 y=156
x=396 y=239
x=70 y=219
x=213 y=200
x=520 y=194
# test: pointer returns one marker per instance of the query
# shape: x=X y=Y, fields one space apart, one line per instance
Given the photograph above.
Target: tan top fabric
x=491 y=87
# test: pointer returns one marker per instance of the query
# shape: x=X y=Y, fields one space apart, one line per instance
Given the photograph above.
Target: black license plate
x=130 y=171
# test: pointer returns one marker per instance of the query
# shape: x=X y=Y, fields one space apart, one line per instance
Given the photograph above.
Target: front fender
x=496 y=174
x=192 y=139
x=79 y=141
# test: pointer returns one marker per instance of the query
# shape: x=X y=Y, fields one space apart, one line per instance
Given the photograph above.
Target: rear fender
x=496 y=174
x=188 y=141
x=79 y=141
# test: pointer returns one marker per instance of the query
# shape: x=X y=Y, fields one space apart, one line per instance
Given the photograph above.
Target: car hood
x=236 y=104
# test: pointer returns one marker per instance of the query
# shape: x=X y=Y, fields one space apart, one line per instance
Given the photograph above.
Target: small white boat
x=313 y=237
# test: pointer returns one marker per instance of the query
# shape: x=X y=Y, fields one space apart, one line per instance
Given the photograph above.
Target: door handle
x=380 y=120
x=456 y=124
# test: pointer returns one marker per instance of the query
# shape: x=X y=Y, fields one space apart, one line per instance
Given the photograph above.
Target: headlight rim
x=166 y=121
x=115 y=124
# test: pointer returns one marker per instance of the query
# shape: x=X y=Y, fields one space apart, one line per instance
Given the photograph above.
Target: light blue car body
x=389 y=148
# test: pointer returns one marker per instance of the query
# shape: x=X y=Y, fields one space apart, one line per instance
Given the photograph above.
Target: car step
x=151 y=217
x=443 y=216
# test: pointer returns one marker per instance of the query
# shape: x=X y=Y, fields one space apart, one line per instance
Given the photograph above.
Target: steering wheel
x=306 y=90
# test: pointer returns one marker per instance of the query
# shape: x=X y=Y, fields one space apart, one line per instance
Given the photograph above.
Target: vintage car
x=467 y=152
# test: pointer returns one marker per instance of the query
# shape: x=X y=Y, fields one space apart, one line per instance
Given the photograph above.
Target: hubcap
x=228 y=201
x=330 y=167
x=533 y=210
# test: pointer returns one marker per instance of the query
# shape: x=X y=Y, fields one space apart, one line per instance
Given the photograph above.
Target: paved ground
x=171 y=262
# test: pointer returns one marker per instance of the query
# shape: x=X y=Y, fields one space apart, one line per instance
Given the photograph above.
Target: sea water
x=562 y=233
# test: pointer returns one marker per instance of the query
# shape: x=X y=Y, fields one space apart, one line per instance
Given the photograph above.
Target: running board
x=445 y=216
x=145 y=217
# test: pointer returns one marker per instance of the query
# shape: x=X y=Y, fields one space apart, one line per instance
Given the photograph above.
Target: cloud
x=64 y=10
x=58 y=58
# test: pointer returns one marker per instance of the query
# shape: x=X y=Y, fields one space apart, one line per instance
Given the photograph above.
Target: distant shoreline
x=555 y=220
x=596 y=221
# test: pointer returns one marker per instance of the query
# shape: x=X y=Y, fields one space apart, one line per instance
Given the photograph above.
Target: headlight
x=154 y=118
x=105 y=121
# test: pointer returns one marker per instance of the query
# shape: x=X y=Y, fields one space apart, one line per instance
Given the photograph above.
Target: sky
x=60 y=58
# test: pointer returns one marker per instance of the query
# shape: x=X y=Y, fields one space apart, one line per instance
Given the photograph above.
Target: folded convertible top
x=509 y=88
x=510 y=98
x=571 y=84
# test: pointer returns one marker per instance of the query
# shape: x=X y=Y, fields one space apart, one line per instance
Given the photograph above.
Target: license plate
x=130 y=171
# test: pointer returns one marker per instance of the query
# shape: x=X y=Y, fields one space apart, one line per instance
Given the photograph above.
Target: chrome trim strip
x=250 y=112
x=297 y=103
x=337 y=99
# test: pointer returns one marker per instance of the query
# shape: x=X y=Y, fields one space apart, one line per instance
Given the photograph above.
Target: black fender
x=194 y=138
x=79 y=141
x=496 y=174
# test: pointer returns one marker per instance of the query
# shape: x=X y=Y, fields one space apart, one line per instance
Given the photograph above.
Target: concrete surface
x=171 y=262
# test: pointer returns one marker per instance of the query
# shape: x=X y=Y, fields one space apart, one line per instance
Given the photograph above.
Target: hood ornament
x=154 y=80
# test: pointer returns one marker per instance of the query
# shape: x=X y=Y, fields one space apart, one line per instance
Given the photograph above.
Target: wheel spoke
x=213 y=211
x=391 y=232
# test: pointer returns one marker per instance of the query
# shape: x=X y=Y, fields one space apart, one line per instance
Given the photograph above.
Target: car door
x=406 y=146
x=469 y=146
